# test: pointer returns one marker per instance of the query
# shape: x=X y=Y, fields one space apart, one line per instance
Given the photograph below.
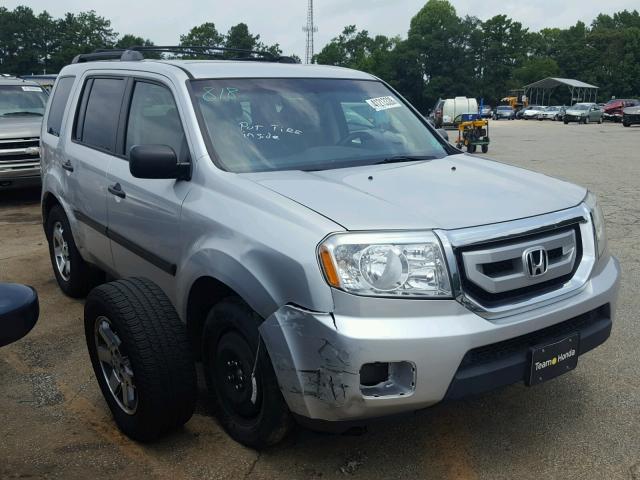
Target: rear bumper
x=432 y=348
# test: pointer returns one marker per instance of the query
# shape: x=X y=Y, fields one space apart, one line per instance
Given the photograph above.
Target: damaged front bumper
x=318 y=357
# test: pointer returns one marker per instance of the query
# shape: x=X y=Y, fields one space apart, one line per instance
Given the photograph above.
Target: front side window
x=22 y=101
x=102 y=112
x=308 y=124
x=154 y=120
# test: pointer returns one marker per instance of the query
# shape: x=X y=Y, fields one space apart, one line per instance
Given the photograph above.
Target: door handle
x=67 y=166
x=116 y=190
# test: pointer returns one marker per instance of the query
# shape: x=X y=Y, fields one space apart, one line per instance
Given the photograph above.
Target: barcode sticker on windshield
x=383 y=103
x=32 y=89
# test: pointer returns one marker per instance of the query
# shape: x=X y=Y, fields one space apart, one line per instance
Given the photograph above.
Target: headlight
x=597 y=218
x=407 y=264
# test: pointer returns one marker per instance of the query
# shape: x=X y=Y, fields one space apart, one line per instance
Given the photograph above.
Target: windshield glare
x=22 y=100
x=308 y=124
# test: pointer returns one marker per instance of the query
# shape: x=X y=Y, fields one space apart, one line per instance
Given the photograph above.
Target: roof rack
x=136 y=54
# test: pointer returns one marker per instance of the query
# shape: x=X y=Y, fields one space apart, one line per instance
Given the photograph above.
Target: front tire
x=244 y=392
x=75 y=277
x=141 y=357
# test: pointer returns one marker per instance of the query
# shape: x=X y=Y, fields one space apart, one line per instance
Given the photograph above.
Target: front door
x=144 y=214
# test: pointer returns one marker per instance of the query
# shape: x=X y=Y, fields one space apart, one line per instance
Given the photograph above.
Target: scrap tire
x=81 y=276
x=253 y=414
x=154 y=343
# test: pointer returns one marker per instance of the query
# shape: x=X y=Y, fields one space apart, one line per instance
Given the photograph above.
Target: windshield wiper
x=22 y=113
x=406 y=158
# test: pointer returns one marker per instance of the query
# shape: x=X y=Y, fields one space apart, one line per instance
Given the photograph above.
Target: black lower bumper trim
x=504 y=363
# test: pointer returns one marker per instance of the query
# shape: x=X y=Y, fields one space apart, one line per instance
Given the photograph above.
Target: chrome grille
x=15 y=152
x=498 y=269
x=500 y=286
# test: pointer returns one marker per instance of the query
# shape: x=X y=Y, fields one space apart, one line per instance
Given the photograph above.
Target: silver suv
x=333 y=258
x=22 y=105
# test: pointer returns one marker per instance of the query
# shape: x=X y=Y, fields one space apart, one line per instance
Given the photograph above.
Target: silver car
x=22 y=105
x=332 y=257
x=583 y=113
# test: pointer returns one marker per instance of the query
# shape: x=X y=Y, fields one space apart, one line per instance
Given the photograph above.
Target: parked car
x=452 y=108
x=22 y=105
x=19 y=311
x=315 y=278
x=583 y=113
x=532 y=112
x=552 y=113
x=504 y=111
x=612 y=111
x=486 y=112
x=631 y=116
x=520 y=112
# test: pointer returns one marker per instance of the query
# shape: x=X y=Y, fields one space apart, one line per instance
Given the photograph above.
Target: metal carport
x=536 y=92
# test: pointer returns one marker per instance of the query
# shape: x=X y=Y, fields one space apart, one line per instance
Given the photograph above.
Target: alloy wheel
x=61 y=252
x=115 y=365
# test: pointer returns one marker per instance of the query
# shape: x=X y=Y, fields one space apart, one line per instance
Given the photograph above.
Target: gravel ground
x=585 y=424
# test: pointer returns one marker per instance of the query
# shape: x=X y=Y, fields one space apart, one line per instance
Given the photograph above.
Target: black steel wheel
x=240 y=377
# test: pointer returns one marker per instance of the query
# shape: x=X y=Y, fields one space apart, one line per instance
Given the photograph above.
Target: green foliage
x=445 y=55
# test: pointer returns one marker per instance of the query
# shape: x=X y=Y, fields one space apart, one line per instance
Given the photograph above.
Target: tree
x=356 y=49
x=205 y=35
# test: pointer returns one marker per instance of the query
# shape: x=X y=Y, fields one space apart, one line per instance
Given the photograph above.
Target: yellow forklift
x=473 y=131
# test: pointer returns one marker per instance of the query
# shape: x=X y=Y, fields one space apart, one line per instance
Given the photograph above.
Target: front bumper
x=19 y=174
x=318 y=356
x=574 y=118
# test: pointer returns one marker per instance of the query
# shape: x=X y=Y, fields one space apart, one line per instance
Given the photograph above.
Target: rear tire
x=75 y=277
x=625 y=124
x=253 y=414
x=485 y=148
x=566 y=122
x=141 y=357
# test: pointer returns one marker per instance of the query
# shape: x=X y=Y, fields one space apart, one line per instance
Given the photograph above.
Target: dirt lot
x=585 y=424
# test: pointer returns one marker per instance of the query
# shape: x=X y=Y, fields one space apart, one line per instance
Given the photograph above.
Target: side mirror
x=443 y=133
x=19 y=310
x=157 y=161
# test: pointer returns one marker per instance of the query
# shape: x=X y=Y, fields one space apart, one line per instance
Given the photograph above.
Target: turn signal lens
x=329 y=268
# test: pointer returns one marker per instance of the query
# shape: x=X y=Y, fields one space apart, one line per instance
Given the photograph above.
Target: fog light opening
x=387 y=379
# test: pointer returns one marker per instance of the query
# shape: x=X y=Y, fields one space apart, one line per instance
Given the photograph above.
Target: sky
x=281 y=21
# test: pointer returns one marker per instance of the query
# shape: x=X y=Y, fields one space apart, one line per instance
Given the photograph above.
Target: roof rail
x=136 y=54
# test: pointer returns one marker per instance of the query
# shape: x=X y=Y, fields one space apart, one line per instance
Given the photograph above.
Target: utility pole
x=310 y=29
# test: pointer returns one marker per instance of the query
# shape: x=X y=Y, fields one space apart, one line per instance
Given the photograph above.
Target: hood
x=20 y=127
x=424 y=195
x=574 y=112
x=632 y=110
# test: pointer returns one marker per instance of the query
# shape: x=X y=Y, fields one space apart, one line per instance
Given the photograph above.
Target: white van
x=456 y=106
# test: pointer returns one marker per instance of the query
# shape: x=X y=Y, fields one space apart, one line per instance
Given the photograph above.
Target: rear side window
x=58 y=105
x=101 y=113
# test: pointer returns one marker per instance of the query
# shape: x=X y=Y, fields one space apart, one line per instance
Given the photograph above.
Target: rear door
x=88 y=158
x=144 y=214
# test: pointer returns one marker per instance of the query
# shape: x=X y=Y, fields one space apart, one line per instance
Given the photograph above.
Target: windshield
x=308 y=124
x=22 y=100
x=580 y=106
x=507 y=108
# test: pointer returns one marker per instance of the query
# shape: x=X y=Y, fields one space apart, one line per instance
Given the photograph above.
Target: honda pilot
x=332 y=257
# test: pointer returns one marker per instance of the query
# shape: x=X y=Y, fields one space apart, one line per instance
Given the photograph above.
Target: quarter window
x=154 y=120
